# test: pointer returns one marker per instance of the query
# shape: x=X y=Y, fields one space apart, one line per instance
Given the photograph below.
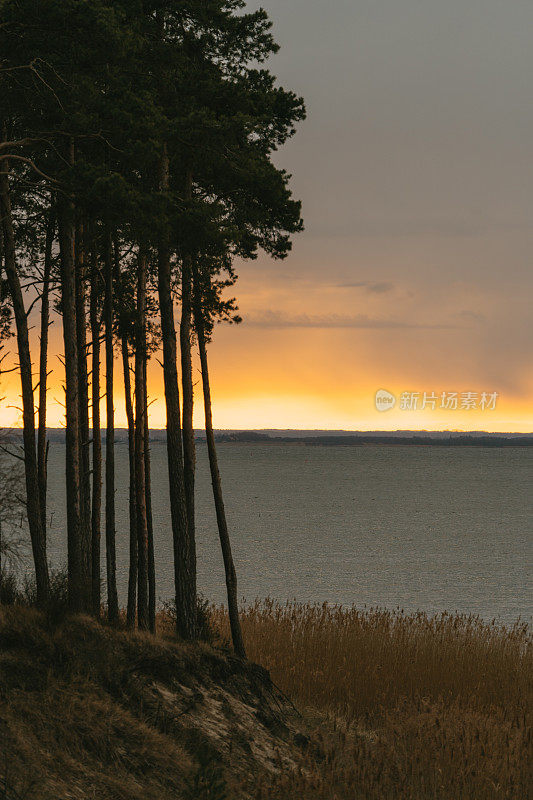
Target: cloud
x=400 y=228
x=380 y=287
x=470 y=316
x=278 y=319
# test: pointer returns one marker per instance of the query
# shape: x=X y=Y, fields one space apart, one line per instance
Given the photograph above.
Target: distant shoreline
x=330 y=438
x=362 y=441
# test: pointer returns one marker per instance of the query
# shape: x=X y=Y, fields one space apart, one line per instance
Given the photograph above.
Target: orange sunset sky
x=414 y=271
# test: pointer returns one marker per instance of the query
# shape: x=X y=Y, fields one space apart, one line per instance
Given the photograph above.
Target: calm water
x=433 y=528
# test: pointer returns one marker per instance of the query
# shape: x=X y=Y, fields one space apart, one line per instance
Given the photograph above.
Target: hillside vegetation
x=91 y=712
x=387 y=705
x=418 y=706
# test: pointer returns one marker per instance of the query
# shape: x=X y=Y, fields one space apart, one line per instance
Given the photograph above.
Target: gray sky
x=416 y=173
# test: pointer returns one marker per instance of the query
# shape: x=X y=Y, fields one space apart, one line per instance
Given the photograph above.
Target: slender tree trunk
x=140 y=473
x=28 y=412
x=83 y=413
x=43 y=369
x=229 y=567
x=132 y=576
x=65 y=218
x=184 y=548
x=189 y=452
x=149 y=518
x=96 y=507
x=111 y=558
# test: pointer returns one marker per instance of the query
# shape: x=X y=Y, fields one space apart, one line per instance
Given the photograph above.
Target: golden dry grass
x=420 y=707
x=395 y=706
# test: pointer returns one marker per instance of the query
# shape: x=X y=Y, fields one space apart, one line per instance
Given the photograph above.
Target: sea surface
x=432 y=528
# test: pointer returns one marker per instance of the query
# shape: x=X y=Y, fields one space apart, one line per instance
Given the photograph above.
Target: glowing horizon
x=285 y=391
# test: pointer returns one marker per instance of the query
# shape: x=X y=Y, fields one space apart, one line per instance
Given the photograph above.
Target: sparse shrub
x=58 y=603
x=12 y=593
x=12 y=506
x=9 y=588
x=206 y=631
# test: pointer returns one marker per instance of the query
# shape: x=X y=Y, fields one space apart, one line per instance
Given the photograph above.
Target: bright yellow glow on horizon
x=273 y=401
x=319 y=369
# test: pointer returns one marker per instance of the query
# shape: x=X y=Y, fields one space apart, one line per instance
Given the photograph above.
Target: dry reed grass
x=395 y=706
x=421 y=706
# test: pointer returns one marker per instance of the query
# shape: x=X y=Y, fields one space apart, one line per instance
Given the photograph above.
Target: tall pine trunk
x=229 y=567
x=149 y=517
x=189 y=453
x=184 y=549
x=96 y=507
x=132 y=575
x=111 y=558
x=140 y=472
x=83 y=413
x=37 y=534
x=66 y=227
x=131 y=613
x=42 y=444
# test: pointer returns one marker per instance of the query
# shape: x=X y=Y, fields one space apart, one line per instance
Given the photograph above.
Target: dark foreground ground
x=386 y=706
